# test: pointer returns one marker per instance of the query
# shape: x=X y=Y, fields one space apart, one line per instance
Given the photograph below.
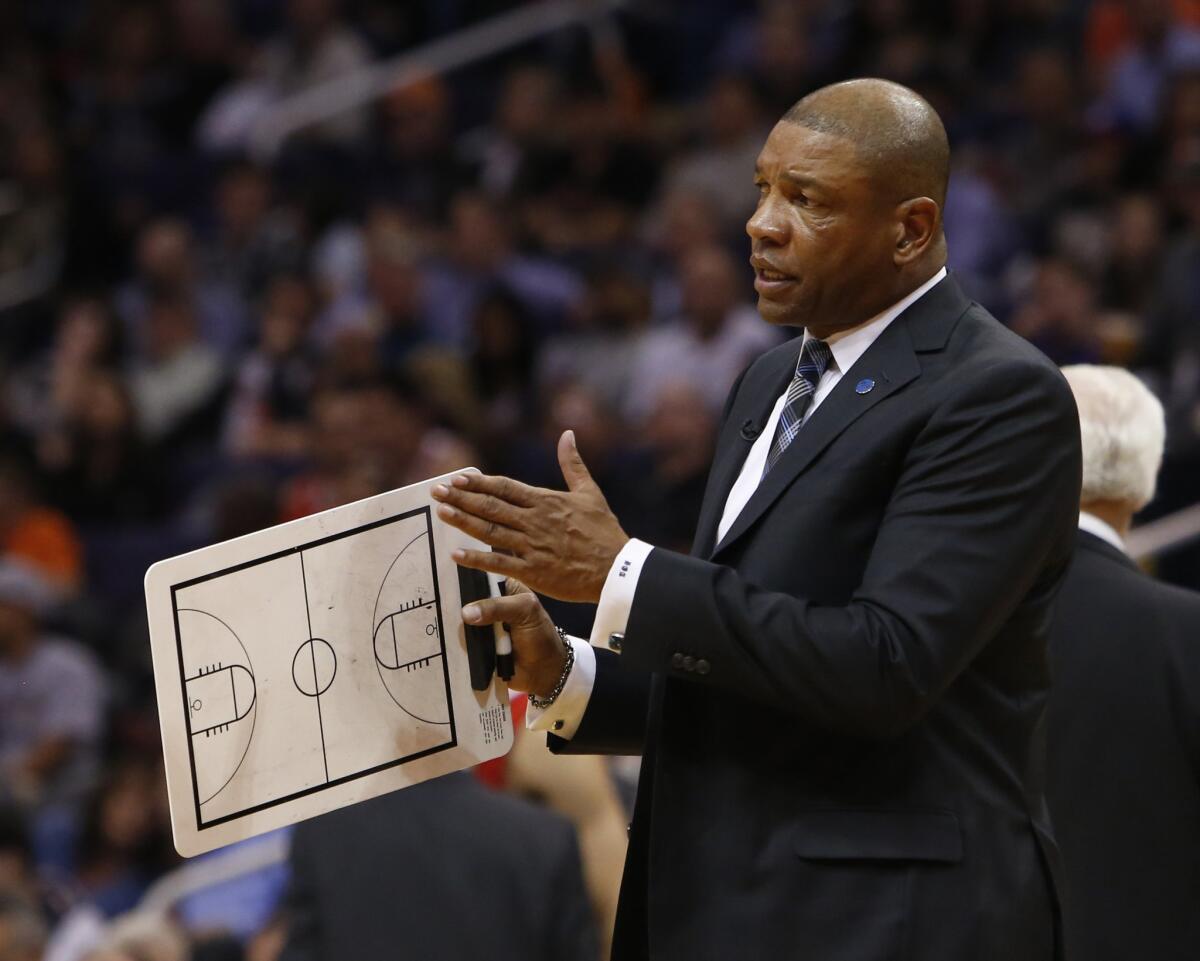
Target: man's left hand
x=559 y=543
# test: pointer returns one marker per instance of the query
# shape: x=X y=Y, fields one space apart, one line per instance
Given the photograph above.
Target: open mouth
x=772 y=275
x=768 y=280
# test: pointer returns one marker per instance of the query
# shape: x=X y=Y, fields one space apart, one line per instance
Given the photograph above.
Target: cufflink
x=615 y=641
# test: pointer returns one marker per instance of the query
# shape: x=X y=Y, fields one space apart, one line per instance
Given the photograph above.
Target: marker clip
x=489 y=648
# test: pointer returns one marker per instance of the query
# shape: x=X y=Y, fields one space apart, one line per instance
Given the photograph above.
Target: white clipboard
x=309 y=666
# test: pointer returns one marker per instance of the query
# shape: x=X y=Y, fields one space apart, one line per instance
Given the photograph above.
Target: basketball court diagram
x=313 y=667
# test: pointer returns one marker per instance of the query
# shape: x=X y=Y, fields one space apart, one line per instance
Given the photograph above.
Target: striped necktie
x=814 y=359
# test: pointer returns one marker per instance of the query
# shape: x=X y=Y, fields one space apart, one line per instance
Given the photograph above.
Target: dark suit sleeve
x=988 y=489
x=615 y=719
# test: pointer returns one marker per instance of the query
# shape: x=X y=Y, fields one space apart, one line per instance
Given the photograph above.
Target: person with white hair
x=1123 y=722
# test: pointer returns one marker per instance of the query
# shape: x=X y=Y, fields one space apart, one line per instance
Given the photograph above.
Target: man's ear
x=918 y=223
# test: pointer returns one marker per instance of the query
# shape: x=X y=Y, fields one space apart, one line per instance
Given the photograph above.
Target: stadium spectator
x=48 y=389
x=599 y=352
x=265 y=415
x=520 y=127
x=414 y=165
x=678 y=432
x=501 y=366
x=480 y=252
x=317 y=46
x=251 y=240
x=33 y=242
x=684 y=221
x=176 y=382
x=121 y=847
x=1138 y=233
x=96 y=463
x=1060 y=315
x=1149 y=42
x=52 y=699
x=716 y=335
x=397 y=293
x=733 y=128
x=33 y=532
x=169 y=269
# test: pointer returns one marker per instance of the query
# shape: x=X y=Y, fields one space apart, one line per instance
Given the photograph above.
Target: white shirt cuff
x=612 y=615
x=563 y=716
x=616 y=600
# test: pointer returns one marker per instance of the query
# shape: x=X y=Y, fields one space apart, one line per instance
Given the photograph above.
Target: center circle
x=314 y=667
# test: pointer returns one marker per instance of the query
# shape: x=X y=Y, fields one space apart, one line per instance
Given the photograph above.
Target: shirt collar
x=1102 y=529
x=850 y=344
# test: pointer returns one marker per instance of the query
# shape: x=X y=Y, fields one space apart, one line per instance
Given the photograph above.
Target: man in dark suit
x=1123 y=724
x=836 y=694
x=447 y=869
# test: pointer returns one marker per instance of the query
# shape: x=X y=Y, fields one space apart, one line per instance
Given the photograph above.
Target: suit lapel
x=753 y=403
x=891 y=362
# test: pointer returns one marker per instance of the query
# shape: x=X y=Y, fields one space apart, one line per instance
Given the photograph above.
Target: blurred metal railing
x=1164 y=534
x=503 y=32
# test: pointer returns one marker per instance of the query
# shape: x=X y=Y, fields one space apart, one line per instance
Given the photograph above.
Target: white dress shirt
x=616 y=599
x=1102 y=529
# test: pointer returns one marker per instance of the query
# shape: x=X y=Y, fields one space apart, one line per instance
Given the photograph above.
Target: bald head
x=895 y=132
x=851 y=183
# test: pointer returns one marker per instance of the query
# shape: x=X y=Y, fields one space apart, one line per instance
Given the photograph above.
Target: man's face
x=823 y=235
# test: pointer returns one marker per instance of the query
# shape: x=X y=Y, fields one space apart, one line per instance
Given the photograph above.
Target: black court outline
x=332 y=677
x=436 y=602
x=202 y=825
x=187 y=705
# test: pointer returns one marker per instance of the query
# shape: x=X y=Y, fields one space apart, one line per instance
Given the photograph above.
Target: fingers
x=491 y=533
x=490 y=561
x=487 y=506
x=513 y=586
x=574 y=471
x=518 y=610
x=502 y=488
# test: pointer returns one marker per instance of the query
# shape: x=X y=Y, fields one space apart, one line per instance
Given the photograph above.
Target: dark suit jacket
x=1124 y=760
x=844 y=777
x=447 y=869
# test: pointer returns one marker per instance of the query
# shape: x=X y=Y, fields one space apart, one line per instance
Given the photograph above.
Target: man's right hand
x=538 y=652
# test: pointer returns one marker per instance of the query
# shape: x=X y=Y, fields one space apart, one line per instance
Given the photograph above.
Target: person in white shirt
x=837 y=694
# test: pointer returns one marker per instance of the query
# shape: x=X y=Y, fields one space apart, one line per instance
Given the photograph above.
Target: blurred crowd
x=199 y=338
